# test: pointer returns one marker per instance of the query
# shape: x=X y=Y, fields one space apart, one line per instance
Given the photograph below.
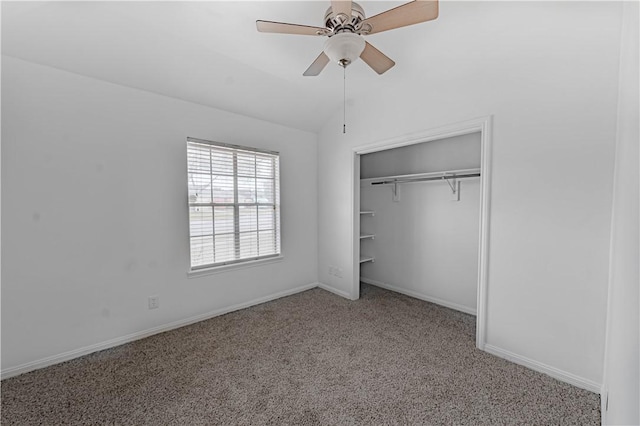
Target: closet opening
x=421 y=217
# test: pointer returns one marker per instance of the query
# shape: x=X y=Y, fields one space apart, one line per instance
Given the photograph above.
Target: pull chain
x=344 y=99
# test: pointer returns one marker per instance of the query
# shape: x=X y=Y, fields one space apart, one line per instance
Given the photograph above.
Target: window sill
x=226 y=268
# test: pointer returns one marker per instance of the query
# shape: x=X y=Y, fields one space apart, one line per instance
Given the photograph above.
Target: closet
x=420 y=220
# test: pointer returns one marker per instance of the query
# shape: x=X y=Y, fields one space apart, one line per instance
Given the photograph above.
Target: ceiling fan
x=346 y=24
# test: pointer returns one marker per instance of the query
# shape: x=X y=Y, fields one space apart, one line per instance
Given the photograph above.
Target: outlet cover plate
x=154 y=302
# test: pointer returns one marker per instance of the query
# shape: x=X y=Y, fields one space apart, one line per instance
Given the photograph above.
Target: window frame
x=208 y=268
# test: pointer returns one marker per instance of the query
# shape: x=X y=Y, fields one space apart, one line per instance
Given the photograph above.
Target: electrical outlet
x=339 y=272
x=154 y=302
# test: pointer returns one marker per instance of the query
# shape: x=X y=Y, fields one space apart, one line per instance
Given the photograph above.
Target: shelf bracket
x=455 y=188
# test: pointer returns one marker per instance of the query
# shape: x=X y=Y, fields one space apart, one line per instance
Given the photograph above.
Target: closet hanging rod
x=413 y=176
x=422 y=179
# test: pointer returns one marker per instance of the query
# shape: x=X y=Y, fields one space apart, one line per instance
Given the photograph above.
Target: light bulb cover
x=344 y=48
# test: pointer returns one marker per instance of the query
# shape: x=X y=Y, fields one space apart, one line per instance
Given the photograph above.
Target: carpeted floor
x=311 y=358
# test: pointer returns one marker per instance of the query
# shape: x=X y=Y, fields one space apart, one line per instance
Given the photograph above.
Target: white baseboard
x=556 y=373
x=334 y=290
x=66 y=356
x=420 y=296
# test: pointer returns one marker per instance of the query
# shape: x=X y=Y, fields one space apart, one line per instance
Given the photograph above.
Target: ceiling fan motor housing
x=336 y=22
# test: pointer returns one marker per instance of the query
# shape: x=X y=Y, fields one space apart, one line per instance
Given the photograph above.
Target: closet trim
x=481 y=125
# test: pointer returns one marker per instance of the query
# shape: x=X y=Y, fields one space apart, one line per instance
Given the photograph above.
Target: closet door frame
x=480 y=125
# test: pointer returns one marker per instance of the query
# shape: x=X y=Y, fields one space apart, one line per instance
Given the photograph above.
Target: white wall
x=622 y=360
x=94 y=209
x=458 y=152
x=548 y=74
x=425 y=245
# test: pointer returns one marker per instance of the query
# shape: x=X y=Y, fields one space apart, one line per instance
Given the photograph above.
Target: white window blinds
x=234 y=203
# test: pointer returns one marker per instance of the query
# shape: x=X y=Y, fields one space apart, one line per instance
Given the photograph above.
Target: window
x=234 y=203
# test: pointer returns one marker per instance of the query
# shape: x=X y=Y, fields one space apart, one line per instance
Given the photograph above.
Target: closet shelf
x=365 y=236
x=371 y=212
x=364 y=259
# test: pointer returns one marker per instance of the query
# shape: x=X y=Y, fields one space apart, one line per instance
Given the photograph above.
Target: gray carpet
x=311 y=358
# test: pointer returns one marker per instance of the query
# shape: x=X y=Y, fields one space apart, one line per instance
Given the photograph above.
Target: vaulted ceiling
x=210 y=52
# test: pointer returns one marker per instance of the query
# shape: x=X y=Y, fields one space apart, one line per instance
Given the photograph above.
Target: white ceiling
x=210 y=52
x=205 y=52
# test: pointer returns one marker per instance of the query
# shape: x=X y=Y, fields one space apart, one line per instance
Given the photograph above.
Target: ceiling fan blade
x=341 y=7
x=376 y=59
x=284 y=28
x=407 y=14
x=317 y=66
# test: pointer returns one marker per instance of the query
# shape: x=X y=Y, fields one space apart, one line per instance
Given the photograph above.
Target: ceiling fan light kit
x=344 y=48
